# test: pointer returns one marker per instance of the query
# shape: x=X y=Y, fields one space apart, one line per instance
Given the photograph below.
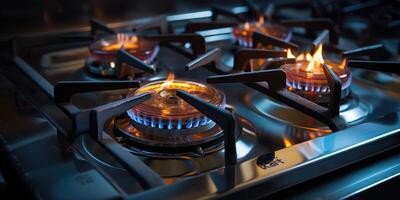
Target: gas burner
x=243 y=33
x=182 y=160
x=353 y=110
x=103 y=53
x=306 y=77
x=167 y=111
x=165 y=120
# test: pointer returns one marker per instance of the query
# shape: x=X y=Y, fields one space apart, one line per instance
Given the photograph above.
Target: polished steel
x=277 y=148
x=254 y=178
x=176 y=163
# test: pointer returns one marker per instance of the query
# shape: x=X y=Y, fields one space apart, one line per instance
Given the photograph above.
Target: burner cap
x=244 y=32
x=165 y=110
x=103 y=52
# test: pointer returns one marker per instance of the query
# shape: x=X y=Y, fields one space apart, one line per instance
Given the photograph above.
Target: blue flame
x=203 y=121
x=169 y=124
x=179 y=125
x=196 y=122
x=153 y=122
x=308 y=87
x=160 y=124
x=189 y=123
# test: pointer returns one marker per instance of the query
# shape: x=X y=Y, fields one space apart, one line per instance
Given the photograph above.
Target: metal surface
x=263 y=39
x=319 y=24
x=291 y=165
x=277 y=147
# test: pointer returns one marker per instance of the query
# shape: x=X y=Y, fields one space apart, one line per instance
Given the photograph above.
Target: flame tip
x=246 y=26
x=168 y=81
x=290 y=54
x=287 y=142
x=260 y=20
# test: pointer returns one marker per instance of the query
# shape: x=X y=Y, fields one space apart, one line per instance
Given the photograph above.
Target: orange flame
x=287 y=142
x=124 y=38
x=290 y=54
x=168 y=81
x=301 y=57
x=252 y=27
x=260 y=20
x=342 y=64
x=123 y=41
x=246 y=26
x=314 y=61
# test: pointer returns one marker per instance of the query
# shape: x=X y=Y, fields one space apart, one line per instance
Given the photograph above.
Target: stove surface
x=82 y=148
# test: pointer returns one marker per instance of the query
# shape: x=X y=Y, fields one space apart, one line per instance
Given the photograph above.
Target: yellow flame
x=316 y=60
x=290 y=54
x=246 y=26
x=170 y=79
x=126 y=40
x=123 y=41
x=134 y=39
x=318 y=55
x=310 y=65
x=342 y=64
x=300 y=57
x=260 y=20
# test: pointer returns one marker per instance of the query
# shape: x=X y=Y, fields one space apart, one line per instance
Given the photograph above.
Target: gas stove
x=225 y=103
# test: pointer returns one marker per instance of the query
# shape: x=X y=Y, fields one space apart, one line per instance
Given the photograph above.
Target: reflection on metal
x=384 y=81
x=294 y=135
x=310 y=150
x=201 y=14
x=352 y=113
x=320 y=156
x=179 y=17
x=64 y=59
x=242 y=149
x=179 y=164
x=287 y=142
x=218 y=31
x=215 y=38
x=354 y=109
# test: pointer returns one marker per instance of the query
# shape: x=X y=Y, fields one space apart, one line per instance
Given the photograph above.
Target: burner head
x=165 y=110
x=307 y=79
x=243 y=33
x=165 y=120
x=103 y=52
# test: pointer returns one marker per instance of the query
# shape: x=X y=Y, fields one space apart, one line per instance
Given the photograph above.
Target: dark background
x=22 y=16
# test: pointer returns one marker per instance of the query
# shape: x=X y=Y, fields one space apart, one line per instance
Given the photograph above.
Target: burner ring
x=167 y=138
x=164 y=110
x=154 y=125
x=353 y=110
